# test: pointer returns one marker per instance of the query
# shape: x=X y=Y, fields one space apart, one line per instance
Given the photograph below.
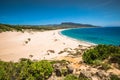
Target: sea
x=98 y=35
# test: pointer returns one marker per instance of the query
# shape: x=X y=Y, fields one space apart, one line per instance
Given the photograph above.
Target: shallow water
x=101 y=35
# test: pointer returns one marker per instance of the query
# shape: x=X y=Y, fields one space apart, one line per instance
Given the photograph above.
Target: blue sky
x=40 y=12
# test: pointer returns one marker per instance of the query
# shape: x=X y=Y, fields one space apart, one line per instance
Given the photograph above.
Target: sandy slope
x=13 y=46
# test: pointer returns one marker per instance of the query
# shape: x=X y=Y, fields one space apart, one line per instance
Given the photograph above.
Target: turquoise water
x=101 y=35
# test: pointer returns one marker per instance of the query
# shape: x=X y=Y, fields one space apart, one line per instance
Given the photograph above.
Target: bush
x=42 y=69
x=100 y=53
x=70 y=77
x=6 y=27
x=2 y=73
x=115 y=58
x=73 y=77
x=25 y=69
x=105 y=66
x=64 y=72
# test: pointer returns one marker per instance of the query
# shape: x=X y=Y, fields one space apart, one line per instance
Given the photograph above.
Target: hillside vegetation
x=7 y=27
x=25 y=70
x=103 y=55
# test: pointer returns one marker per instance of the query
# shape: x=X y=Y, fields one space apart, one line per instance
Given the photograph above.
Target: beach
x=35 y=45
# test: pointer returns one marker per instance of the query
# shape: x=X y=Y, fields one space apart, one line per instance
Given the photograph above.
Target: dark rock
x=70 y=69
x=57 y=69
x=58 y=72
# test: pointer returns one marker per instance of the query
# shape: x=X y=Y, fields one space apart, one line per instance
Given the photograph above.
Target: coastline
x=90 y=36
x=14 y=46
x=89 y=43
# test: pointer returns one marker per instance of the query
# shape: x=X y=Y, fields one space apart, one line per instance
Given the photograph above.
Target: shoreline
x=13 y=46
x=89 y=43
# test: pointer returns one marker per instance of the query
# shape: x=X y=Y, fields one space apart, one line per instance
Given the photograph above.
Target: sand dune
x=16 y=45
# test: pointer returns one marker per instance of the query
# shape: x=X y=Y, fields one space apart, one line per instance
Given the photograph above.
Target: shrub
x=115 y=58
x=29 y=39
x=2 y=73
x=64 y=72
x=100 y=53
x=26 y=42
x=105 y=66
x=42 y=69
x=25 y=69
x=70 y=77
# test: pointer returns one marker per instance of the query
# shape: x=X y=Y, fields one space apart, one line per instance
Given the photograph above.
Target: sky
x=42 y=12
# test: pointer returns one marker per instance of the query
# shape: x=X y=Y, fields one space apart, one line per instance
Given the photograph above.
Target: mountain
x=70 y=24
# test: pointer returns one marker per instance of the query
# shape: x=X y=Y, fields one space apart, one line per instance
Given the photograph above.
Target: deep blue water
x=101 y=35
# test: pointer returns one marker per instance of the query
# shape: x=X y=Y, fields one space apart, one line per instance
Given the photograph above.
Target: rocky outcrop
x=99 y=75
x=85 y=74
x=60 y=70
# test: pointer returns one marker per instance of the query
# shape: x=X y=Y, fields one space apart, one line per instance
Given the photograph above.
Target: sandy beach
x=41 y=45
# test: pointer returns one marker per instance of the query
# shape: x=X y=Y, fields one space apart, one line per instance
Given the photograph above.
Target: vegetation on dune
x=73 y=77
x=7 y=27
x=103 y=55
x=4 y=28
x=25 y=70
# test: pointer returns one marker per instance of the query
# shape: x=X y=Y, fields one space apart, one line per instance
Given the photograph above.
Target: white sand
x=13 y=46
